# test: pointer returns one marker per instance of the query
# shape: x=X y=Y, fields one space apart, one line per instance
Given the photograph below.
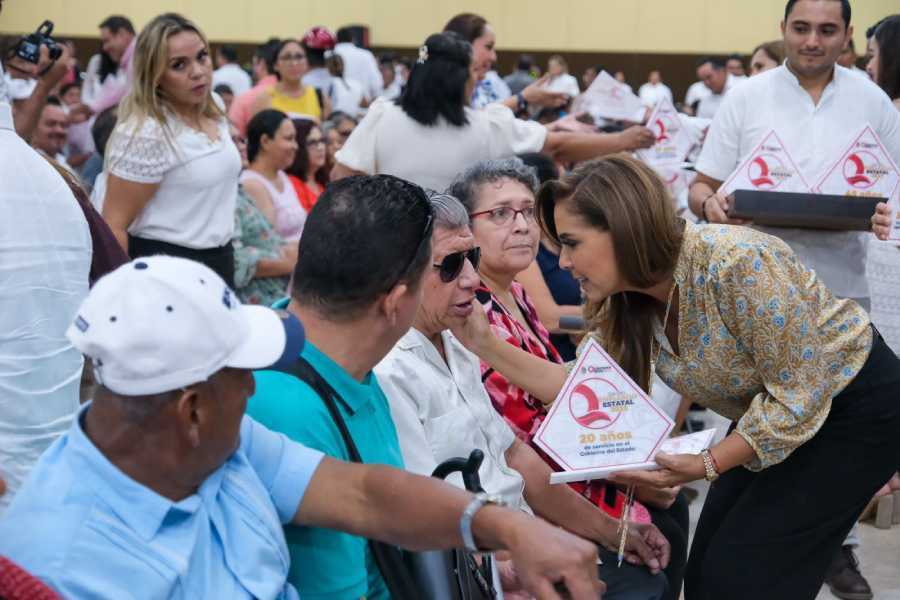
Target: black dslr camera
x=29 y=47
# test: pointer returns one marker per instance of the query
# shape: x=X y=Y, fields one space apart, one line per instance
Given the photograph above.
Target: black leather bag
x=437 y=574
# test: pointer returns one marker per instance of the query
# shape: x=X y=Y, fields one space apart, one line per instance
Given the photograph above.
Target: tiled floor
x=879 y=553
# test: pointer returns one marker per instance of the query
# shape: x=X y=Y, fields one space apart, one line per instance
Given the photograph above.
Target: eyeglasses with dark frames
x=504 y=215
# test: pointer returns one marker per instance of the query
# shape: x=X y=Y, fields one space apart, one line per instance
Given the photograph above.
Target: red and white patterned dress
x=521 y=410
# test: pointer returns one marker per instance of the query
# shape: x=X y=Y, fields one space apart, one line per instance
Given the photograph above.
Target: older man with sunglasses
x=441 y=410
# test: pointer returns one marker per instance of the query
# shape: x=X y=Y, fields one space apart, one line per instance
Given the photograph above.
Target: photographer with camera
x=36 y=56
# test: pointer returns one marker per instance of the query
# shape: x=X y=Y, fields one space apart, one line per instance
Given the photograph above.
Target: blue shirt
x=565 y=291
x=326 y=563
x=90 y=531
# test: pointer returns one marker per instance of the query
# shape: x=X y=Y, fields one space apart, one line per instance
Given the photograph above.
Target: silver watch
x=465 y=522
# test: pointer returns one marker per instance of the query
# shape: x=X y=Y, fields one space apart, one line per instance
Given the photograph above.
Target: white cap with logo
x=160 y=323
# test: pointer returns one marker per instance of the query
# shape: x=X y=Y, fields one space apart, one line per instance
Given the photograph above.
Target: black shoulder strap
x=319 y=98
x=302 y=370
x=389 y=559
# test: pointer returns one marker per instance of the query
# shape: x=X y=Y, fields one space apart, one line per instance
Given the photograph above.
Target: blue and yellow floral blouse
x=761 y=339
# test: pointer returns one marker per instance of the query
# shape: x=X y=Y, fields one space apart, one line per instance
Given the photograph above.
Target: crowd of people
x=250 y=311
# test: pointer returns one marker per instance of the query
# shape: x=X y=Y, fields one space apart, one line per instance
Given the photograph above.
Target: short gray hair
x=449 y=213
x=466 y=186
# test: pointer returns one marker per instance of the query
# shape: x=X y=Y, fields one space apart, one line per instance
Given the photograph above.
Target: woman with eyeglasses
x=172 y=166
x=731 y=319
x=271 y=146
x=309 y=171
x=289 y=95
x=431 y=134
x=263 y=260
x=499 y=196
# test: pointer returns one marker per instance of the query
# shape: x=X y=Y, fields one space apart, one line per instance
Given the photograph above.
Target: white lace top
x=195 y=204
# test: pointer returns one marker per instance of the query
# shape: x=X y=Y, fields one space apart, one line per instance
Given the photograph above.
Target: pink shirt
x=113 y=93
x=242 y=108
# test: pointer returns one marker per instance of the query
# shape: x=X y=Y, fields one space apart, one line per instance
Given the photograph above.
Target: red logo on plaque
x=766 y=172
x=862 y=169
x=585 y=405
x=665 y=129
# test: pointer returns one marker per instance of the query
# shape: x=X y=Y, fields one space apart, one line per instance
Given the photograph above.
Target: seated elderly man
x=163 y=488
x=441 y=410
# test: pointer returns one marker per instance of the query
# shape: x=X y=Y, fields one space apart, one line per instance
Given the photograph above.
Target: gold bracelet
x=709 y=466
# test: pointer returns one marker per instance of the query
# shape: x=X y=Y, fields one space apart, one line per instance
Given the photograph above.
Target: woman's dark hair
x=469 y=26
x=103 y=127
x=622 y=196
x=272 y=57
x=336 y=66
x=266 y=52
x=107 y=66
x=301 y=159
x=467 y=187
x=437 y=84
x=544 y=167
x=888 y=37
x=365 y=235
x=265 y=122
x=116 y=23
x=69 y=86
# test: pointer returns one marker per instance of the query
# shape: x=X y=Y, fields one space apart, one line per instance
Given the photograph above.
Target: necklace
x=654 y=359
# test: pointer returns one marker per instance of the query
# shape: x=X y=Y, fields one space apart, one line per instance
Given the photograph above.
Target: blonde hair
x=145 y=100
x=623 y=196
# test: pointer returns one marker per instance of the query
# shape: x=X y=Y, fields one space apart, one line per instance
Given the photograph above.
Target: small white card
x=601 y=420
x=693 y=443
x=769 y=168
x=673 y=141
x=610 y=99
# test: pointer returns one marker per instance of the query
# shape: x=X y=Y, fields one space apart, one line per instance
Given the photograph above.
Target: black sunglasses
x=452 y=265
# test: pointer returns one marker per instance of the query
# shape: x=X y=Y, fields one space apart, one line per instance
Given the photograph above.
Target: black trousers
x=629 y=582
x=220 y=260
x=674 y=523
x=772 y=534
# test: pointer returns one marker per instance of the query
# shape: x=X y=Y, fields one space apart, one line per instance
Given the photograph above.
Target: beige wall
x=671 y=26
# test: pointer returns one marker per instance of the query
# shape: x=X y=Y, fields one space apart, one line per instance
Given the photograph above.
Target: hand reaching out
x=881 y=221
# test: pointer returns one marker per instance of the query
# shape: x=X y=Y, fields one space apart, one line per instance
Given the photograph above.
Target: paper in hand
x=673 y=140
x=610 y=99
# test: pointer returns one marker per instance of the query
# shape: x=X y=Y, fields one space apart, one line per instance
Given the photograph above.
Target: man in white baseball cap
x=163 y=488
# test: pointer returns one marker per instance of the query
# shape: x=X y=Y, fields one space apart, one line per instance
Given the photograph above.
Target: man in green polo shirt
x=356 y=290
x=326 y=563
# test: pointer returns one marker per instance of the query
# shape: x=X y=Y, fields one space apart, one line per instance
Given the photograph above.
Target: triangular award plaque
x=601 y=422
x=769 y=168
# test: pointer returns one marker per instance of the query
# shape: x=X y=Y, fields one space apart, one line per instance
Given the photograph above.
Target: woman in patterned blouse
x=755 y=336
x=499 y=196
x=263 y=260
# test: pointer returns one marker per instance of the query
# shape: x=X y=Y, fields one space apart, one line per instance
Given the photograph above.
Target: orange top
x=307 y=195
